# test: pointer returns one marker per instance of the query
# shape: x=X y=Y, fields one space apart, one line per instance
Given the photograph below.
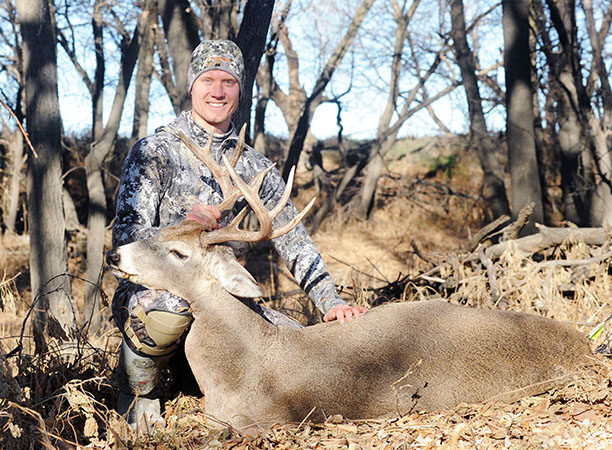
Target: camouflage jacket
x=161 y=180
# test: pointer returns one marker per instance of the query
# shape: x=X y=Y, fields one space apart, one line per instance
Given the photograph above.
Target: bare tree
x=51 y=286
x=252 y=41
x=400 y=106
x=307 y=108
x=524 y=175
x=298 y=107
x=12 y=141
x=103 y=137
x=143 y=78
x=266 y=84
x=494 y=188
x=179 y=36
x=578 y=109
x=599 y=112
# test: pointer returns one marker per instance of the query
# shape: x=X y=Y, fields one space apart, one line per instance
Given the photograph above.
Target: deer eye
x=178 y=254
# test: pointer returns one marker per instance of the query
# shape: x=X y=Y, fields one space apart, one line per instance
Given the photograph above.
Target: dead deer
x=398 y=358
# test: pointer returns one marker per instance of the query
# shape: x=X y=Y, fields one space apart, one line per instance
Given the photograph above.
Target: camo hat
x=220 y=55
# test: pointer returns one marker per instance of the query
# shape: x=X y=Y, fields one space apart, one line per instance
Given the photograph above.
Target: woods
x=523 y=85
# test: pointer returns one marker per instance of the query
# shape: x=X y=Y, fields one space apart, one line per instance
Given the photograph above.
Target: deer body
x=397 y=358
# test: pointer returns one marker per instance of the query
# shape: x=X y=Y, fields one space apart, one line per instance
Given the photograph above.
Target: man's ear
x=235 y=279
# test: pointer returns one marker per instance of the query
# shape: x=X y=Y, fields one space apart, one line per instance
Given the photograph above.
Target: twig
x=25 y=135
x=575 y=262
x=512 y=231
x=406 y=375
x=41 y=423
x=484 y=232
x=306 y=418
x=484 y=259
x=358 y=270
x=377 y=269
x=547 y=237
x=420 y=254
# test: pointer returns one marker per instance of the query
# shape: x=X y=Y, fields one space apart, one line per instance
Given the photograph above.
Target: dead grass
x=420 y=223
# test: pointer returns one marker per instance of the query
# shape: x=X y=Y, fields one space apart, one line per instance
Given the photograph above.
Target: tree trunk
x=51 y=287
x=549 y=153
x=582 y=140
x=12 y=188
x=602 y=128
x=374 y=171
x=143 y=80
x=264 y=83
x=494 y=189
x=252 y=41
x=522 y=157
x=181 y=30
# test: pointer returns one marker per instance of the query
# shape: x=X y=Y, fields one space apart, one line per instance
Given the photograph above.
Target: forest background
x=522 y=85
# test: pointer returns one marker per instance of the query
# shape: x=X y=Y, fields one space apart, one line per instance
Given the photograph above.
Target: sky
x=362 y=106
x=358 y=123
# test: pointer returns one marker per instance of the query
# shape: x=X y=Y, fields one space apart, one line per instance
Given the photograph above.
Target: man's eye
x=178 y=254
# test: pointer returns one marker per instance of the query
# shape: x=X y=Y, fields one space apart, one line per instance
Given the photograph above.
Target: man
x=163 y=183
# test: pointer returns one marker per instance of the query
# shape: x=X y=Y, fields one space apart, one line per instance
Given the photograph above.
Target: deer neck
x=212 y=303
x=226 y=339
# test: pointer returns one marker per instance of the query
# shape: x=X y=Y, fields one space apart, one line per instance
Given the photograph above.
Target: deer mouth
x=132 y=277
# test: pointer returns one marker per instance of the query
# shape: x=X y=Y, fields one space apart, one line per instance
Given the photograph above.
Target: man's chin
x=219 y=122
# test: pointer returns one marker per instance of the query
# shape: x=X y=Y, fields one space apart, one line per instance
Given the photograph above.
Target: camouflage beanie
x=219 y=55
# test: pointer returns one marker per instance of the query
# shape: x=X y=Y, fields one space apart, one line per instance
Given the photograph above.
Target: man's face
x=214 y=98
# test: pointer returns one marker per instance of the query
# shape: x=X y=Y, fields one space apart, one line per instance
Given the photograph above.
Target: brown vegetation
x=416 y=245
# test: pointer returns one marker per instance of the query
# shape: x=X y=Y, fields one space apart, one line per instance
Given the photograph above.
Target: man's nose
x=216 y=90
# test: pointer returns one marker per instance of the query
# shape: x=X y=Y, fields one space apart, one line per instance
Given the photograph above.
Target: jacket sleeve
x=298 y=251
x=140 y=189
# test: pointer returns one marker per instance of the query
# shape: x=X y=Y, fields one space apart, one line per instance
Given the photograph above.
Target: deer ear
x=235 y=279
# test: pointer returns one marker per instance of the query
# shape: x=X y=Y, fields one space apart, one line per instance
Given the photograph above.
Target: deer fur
x=396 y=359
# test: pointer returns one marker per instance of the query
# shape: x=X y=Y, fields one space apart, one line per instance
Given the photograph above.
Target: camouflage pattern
x=220 y=55
x=162 y=180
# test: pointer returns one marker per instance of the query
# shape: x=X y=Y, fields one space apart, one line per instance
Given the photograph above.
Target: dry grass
x=420 y=223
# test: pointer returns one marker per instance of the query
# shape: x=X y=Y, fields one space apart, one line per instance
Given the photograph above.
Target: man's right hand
x=207 y=215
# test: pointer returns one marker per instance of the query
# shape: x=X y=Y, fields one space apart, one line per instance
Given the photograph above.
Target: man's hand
x=207 y=215
x=344 y=313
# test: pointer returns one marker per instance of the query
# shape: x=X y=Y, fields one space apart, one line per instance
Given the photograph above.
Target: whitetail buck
x=398 y=358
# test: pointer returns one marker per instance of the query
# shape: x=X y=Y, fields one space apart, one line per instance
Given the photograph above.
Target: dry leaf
x=91 y=427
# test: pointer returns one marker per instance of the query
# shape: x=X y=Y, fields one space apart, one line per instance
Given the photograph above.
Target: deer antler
x=233 y=187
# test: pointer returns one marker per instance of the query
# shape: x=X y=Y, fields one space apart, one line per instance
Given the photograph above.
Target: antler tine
x=286 y=194
x=232 y=232
x=205 y=156
x=294 y=222
x=239 y=147
x=254 y=185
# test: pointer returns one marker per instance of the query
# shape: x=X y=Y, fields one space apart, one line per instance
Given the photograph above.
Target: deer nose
x=112 y=257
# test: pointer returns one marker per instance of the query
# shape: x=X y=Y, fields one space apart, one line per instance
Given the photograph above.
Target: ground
x=413 y=246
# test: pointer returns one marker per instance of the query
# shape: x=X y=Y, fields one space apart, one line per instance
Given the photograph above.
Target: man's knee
x=158 y=331
x=154 y=322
